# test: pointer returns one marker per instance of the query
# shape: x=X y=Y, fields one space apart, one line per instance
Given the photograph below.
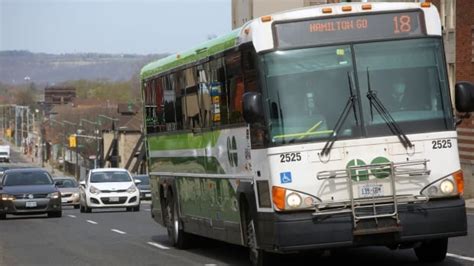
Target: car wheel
x=432 y=250
x=176 y=235
x=3 y=216
x=81 y=208
x=76 y=206
x=136 y=208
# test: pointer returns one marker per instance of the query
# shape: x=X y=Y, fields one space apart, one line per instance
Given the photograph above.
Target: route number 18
x=401 y=24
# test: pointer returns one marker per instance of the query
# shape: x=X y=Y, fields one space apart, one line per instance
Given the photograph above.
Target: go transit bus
x=317 y=128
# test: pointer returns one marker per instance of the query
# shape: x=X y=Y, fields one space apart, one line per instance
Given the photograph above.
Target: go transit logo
x=363 y=173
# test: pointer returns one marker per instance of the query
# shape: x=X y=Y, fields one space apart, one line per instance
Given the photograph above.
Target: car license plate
x=113 y=199
x=371 y=190
x=30 y=204
x=148 y=195
x=64 y=200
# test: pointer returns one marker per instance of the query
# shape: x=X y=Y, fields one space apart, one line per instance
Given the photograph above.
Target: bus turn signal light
x=278 y=196
x=459 y=179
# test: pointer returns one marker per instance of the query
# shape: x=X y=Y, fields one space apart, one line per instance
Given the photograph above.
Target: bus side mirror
x=464 y=97
x=252 y=107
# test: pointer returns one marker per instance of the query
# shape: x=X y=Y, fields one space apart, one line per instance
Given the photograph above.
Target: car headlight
x=285 y=199
x=7 y=197
x=449 y=185
x=54 y=195
x=132 y=189
x=75 y=195
x=94 y=190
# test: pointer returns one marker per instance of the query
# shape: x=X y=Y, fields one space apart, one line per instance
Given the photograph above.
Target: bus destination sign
x=349 y=29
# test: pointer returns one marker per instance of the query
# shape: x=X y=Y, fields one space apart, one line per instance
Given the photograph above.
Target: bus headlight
x=286 y=199
x=293 y=200
x=446 y=187
x=449 y=185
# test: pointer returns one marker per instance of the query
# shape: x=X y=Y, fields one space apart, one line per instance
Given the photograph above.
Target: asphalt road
x=116 y=237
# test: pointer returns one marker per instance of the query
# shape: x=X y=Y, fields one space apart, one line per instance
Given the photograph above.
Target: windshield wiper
x=342 y=118
x=385 y=114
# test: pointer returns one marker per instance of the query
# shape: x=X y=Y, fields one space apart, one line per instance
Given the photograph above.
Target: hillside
x=18 y=67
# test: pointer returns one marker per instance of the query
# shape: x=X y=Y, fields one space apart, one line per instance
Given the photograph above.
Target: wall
x=127 y=142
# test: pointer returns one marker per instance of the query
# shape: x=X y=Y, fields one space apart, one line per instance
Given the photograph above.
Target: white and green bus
x=317 y=128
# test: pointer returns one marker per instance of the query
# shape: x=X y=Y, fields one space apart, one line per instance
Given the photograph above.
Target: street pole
x=66 y=139
x=96 y=124
x=114 y=131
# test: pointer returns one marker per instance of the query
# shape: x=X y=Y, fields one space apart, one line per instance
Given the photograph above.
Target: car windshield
x=112 y=176
x=66 y=183
x=27 y=179
x=309 y=88
x=145 y=180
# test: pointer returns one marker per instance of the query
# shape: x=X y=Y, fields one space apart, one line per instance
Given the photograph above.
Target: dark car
x=29 y=191
x=143 y=186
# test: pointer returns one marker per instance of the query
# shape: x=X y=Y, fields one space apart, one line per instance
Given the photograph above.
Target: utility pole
x=96 y=124
x=114 y=142
x=76 y=172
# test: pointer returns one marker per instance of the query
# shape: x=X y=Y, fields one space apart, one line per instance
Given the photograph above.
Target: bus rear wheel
x=432 y=250
x=176 y=235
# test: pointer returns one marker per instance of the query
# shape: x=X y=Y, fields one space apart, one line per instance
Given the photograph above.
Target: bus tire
x=176 y=235
x=432 y=250
x=257 y=256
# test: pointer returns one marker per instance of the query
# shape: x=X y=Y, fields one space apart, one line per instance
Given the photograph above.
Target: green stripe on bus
x=183 y=141
x=197 y=53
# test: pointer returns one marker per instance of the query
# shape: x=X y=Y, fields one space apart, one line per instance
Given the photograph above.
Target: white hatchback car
x=109 y=188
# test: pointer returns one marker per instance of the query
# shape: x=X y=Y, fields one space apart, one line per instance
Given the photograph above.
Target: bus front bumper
x=290 y=232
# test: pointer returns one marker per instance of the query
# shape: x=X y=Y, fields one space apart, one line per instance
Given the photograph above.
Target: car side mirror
x=82 y=183
x=464 y=97
x=252 y=107
x=137 y=181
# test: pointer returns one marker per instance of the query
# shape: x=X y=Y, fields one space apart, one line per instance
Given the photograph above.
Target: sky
x=111 y=26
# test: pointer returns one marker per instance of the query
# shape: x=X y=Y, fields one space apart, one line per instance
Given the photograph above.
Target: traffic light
x=72 y=141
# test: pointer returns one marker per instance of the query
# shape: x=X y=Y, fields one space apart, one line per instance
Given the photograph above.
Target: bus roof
x=199 y=52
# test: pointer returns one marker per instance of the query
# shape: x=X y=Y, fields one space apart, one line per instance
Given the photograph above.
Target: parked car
x=69 y=189
x=144 y=186
x=29 y=191
x=109 y=188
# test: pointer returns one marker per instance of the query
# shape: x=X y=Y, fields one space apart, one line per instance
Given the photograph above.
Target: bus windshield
x=308 y=89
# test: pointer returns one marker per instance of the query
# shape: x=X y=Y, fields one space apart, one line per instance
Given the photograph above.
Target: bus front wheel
x=176 y=235
x=257 y=256
x=432 y=250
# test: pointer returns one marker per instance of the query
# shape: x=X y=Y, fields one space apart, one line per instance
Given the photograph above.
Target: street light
x=114 y=129
x=96 y=124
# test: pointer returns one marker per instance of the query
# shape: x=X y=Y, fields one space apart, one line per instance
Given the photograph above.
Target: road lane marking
x=118 y=231
x=72 y=216
x=158 y=245
x=91 y=222
x=459 y=257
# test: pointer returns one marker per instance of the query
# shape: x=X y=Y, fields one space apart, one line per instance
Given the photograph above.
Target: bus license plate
x=113 y=199
x=30 y=204
x=371 y=190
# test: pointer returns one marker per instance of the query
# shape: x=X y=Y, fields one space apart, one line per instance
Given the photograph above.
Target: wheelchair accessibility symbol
x=285 y=177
